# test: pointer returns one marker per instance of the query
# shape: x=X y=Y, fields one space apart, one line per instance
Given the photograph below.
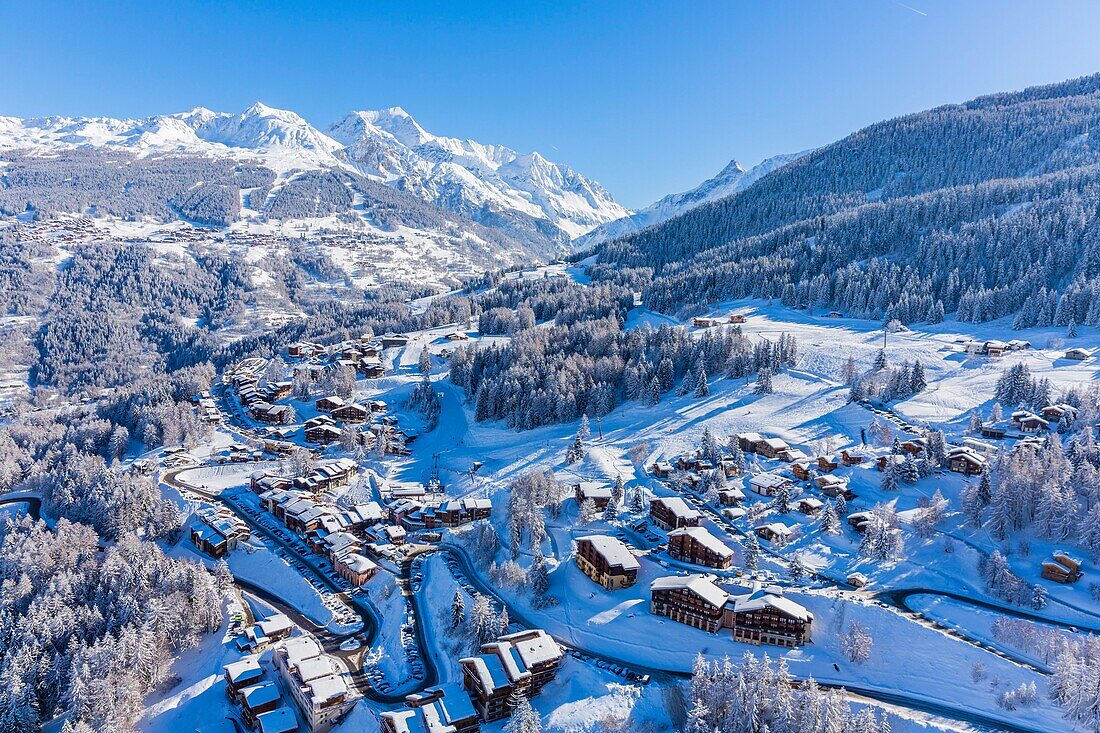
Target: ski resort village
x=828 y=503
x=374 y=430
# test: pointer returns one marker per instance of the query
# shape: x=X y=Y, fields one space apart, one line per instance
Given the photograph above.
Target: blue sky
x=646 y=97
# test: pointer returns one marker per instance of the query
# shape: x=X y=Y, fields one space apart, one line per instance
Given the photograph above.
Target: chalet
x=662 y=469
x=776 y=531
x=810 y=506
x=1018 y=345
x=1029 y=422
x=1062 y=568
x=355 y=568
x=827 y=463
x=377 y=406
x=965 y=461
x=833 y=486
x=834 y=314
x=272 y=629
x=458 y=336
x=240 y=674
x=860 y=521
x=850 y=457
x=1058 y=412
x=748 y=441
x=314 y=681
x=607 y=561
x=703 y=322
x=259 y=699
x=689 y=599
x=304 y=350
x=769 y=484
x=455 y=512
x=599 y=493
x=729 y=467
x=737 y=318
x=522 y=663
x=673 y=512
x=1078 y=354
x=992 y=431
x=915 y=446
x=218 y=532
x=328 y=404
x=792 y=454
x=801 y=470
x=857 y=580
x=279 y=720
x=394 y=340
x=267 y=412
x=687 y=462
x=994 y=347
x=772 y=447
x=278 y=390
x=698 y=546
x=446 y=709
x=371 y=367
x=766 y=616
x=884 y=461
x=321 y=429
x=351 y=413
x=733 y=513
x=730 y=496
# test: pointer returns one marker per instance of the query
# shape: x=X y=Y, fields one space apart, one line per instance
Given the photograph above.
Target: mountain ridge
x=480 y=181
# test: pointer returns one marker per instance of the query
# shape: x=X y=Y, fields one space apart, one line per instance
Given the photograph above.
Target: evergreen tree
x=458 y=610
x=764 y=381
x=752 y=552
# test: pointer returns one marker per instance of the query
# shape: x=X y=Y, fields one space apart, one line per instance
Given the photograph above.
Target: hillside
x=904 y=219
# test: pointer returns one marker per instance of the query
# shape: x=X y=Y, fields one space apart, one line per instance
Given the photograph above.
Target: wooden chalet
x=810 y=506
x=1062 y=568
x=801 y=470
x=446 y=709
x=330 y=403
x=662 y=469
x=351 y=413
x=689 y=599
x=241 y=674
x=673 y=512
x=851 y=457
x=737 y=318
x=828 y=463
x=522 y=663
x=599 y=493
x=965 y=461
x=698 y=546
x=730 y=496
x=258 y=699
x=766 y=616
x=607 y=561
x=776 y=531
x=1078 y=354
x=218 y=532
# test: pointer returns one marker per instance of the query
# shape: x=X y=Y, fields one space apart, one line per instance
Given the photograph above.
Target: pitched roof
x=700 y=585
x=612 y=550
x=704 y=538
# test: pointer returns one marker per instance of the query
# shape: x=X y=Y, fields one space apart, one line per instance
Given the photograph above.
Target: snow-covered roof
x=778 y=528
x=279 y=720
x=534 y=646
x=327 y=688
x=300 y=648
x=593 y=490
x=774 y=443
x=704 y=538
x=769 y=480
x=357 y=563
x=243 y=670
x=314 y=668
x=763 y=599
x=275 y=624
x=701 y=585
x=678 y=507
x=260 y=694
x=612 y=550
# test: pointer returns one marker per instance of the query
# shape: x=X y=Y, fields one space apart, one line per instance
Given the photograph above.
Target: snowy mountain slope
x=467 y=176
x=521 y=193
x=732 y=179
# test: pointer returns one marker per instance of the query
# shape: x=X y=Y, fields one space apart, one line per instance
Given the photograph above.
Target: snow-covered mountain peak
x=732 y=178
x=262 y=127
